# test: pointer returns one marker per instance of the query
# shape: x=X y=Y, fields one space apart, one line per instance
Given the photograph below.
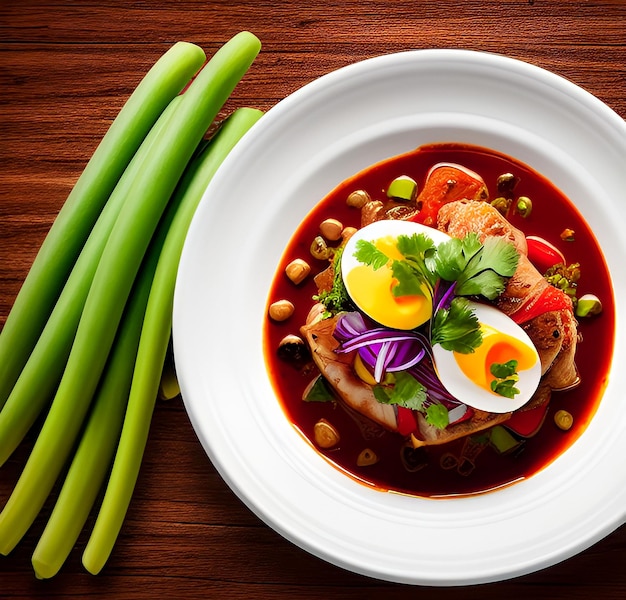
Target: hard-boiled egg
x=468 y=377
x=372 y=290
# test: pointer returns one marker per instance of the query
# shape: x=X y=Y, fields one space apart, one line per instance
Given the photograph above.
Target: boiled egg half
x=372 y=290
x=468 y=377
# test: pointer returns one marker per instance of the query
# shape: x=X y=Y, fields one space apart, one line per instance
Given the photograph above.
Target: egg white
x=375 y=231
x=470 y=393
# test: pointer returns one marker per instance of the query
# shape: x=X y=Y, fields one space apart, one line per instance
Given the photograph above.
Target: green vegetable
x=588 y=305
x=368 y=254
x=336 y=299
x=406 y=391
x=502 y=440
x=505 y=378
x=402 y=188
x=43 y=370
x=153 y=345
x=457 y=328
x=478 y=269
x=71 y=228
x=438 y=416
x=114 y=278
x=318 y=391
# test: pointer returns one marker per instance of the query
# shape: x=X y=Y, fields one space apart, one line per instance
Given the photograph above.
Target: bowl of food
x=395 y=324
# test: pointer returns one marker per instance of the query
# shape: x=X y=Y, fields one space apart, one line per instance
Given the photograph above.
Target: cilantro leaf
x=368 y=254
x=417 y=246
x=449 y=261
x=503 y=370
x=457 y=328
x=437 y=415
x=505 y=378
x=406 y=391
x=409 y=282
x=505 y=388
x=487 y=269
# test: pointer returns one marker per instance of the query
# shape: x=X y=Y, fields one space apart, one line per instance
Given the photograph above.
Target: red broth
x=465 y=466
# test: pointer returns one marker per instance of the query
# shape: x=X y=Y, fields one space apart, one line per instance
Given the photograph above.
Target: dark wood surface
x=66 y=68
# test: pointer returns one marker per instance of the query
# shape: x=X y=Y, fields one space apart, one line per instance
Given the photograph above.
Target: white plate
x=295 y=155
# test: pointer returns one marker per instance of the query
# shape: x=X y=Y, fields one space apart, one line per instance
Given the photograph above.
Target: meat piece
x=337 y=369
x=461 y=217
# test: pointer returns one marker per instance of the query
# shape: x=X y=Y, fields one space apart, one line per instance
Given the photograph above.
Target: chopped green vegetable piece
x=502 y=440
x=588 y=305
x=318 y=391
x=402 y=188
x=457 y=328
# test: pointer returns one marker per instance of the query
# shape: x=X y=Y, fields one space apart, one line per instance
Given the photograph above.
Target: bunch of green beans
x=96 y=350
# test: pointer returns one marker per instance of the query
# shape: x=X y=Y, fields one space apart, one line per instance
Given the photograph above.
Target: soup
x=492 y=449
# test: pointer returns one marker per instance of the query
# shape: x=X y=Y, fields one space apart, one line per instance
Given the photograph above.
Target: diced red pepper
x=527 y=423
x=543 y=254
x=407 y=423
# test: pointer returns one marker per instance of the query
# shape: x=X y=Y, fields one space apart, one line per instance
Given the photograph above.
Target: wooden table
x=66 y=69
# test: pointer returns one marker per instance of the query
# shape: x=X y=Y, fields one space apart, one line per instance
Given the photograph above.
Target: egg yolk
x=497 y=347
x=372 y=291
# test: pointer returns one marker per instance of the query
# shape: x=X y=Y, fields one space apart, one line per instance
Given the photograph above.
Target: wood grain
x=66 y=68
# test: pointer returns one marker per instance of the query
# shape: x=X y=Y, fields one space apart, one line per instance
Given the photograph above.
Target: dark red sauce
x=552 y=212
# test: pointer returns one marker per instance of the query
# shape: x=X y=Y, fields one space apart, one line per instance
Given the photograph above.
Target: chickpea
x=358 y=199
x=298 y=270
x=331 y=229
x=281 y=310
x=347 y=233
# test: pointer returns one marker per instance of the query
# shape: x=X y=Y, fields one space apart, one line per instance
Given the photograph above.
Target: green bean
x=42 y=372
x=153 y=345
x=82 y=207
x=114 y=278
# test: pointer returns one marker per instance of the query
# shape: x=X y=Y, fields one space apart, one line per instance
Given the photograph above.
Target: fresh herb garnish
x=438 y=416
x=457 y=328
x=336 y=299
x=478 y=269
x=406 y=391
x=505 y=378
x=368 y=254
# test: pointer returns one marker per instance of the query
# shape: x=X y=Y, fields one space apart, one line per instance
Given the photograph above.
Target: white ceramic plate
x=295 y=155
